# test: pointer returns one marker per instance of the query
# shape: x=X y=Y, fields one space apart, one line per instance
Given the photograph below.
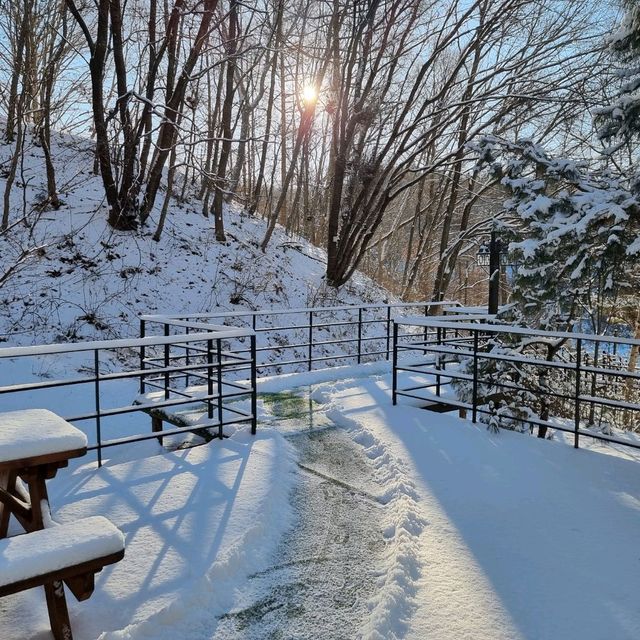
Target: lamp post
x=489 y=256
x=494 y=273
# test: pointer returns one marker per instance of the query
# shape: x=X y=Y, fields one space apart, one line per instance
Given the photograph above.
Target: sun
x=309 y=94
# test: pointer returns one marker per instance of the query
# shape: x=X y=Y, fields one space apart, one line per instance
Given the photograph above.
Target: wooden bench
x=71 y=553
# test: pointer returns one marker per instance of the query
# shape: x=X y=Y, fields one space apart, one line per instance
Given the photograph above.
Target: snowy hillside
x=66 y=275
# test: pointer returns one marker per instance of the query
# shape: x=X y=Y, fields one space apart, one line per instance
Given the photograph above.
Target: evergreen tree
x=620 y=121
x=574 y=232
x=576 y=236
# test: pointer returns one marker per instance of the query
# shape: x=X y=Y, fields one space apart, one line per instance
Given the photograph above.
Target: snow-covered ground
x=196 y=522
x=352 y=519
x=519 y=538
x=471 y=534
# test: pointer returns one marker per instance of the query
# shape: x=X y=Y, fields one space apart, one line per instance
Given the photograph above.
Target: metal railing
x=293 y=340
x=161 y=368
x=190 y=371
x=569 y=382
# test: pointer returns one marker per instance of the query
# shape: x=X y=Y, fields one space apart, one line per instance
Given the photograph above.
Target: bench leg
x=156 y=427
x=7 y=482
x=58 y=613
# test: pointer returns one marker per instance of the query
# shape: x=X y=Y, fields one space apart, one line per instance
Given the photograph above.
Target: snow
x=59 y=547
x=485 y=535
x=36 y=432
x=197 y=522
x=501 y=328
x=510 y=532
x=634 y=247
x=288 y=381
x=214 y=333
x=420 y=321
x=81 y=280
x=466 y=310
x=299 y=310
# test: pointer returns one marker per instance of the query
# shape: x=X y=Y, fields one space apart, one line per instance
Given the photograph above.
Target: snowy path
x=324 y=572
x=522 y=538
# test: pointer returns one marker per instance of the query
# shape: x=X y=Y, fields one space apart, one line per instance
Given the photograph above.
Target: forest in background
x=350 y=123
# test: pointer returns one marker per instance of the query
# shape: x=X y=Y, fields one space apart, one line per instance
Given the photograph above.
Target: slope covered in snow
x=67 y=275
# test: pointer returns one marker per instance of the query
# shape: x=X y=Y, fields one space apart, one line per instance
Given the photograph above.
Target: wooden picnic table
x=34 y=445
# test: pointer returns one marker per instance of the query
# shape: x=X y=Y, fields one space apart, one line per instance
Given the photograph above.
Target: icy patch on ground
x=324 y=573
x=348 y=568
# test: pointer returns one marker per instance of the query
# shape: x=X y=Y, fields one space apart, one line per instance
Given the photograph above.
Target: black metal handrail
x=478 y=349
x=224 y=360
x=371 y=324
x=196 y=361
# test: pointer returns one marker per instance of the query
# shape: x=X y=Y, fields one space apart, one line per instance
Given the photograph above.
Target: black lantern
x=483 y=256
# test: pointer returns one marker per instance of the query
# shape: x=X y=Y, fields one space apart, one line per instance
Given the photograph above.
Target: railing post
x=359 y=335
x=444 y=342
x=425 y=335
x=438 y=358
x=187 y=359
x=167 y=380
x=394 y=375
x=96 y=372
x=254 y=389
x=475 y=377
x=142 y=356
x=310 y=355
x=388 y=330
x=594 y=385
x=576 y=428
x=219 y=380
x=254 y=324
x=209 y=378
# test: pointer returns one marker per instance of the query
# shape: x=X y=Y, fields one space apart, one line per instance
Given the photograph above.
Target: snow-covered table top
x=59 y=547
x=31 y=433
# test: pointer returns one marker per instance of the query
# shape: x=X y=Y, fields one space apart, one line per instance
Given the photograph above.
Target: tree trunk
x=167 y=198
x=44 y=129
x=13 y=167
x=117 y=217
x=168 y=132
x=227 y=106
x=16 y=72
x=255 y=198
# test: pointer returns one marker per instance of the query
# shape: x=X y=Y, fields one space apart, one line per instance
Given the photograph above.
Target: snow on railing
x=197 y=374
